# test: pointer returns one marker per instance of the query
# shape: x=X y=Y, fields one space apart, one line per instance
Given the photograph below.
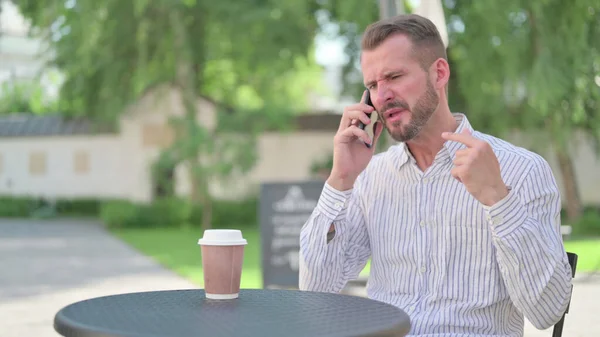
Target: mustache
x=393 y=105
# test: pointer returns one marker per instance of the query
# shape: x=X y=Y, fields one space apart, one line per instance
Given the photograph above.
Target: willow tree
x=251 y=57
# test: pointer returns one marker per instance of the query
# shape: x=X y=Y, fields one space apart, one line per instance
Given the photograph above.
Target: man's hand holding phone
x=350 y=155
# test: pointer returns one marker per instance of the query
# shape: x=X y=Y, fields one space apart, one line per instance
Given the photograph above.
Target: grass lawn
x=177 y=249
x=588 y=253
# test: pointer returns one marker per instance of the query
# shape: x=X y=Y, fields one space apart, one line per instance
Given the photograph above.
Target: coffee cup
x=222 y=259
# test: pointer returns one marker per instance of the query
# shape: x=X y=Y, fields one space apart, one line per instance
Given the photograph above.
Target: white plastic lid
x=222 y=237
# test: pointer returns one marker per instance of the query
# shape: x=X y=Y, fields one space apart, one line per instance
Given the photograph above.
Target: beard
x=420 y=115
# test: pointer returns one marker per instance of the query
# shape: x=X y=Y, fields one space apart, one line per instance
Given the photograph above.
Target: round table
x=257 y=312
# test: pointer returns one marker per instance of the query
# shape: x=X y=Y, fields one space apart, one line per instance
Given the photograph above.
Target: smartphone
x=373 y=116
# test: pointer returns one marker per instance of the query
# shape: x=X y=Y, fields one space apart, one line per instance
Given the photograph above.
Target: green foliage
x=78 y=207
x=324 y=163
x=18 y=207
x=165 y=212
x=177 y=212
x=588 y=225
x=246 y=54
x=235 y=214
x=119 y=214
x=25 y=97
x=26 y=206
x=524 y=64
x=530 y=65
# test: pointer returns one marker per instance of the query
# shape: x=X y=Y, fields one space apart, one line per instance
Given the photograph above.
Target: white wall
x=107 y=162
x=281 y=157
x=288 y=157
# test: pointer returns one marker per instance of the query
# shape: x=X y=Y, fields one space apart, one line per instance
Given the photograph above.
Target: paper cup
x=222 y=259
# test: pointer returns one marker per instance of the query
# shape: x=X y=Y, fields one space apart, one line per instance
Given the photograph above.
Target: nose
x=384 y=94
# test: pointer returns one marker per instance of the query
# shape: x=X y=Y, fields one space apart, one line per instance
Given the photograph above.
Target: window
x=81 y=162
x=156 y=135
x=37 y=163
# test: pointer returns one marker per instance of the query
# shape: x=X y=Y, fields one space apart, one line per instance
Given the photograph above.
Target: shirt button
x=412 y=308
x=338 y=205
x=423 y=269
x=422 y=223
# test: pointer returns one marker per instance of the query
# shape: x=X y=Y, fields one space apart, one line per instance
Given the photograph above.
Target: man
x=462 y=228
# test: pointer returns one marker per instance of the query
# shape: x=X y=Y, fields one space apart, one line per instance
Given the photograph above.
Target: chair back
x=558 y=327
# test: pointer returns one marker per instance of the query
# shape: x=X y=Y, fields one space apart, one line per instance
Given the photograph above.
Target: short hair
x=428 y=44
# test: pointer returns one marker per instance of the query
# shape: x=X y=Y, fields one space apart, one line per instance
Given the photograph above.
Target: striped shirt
x=454 y=265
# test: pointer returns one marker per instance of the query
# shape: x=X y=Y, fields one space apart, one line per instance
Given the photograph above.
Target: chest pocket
x=469 y=259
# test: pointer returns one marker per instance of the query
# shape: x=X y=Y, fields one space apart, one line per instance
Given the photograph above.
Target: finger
x=358 y=116
x=350 y=134
x=463 y=153
x=355 y=111
x=455 y=172
x=466 y=139
x=459 y=161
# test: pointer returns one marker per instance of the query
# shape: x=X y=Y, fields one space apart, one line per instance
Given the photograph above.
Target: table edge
x=63 y=325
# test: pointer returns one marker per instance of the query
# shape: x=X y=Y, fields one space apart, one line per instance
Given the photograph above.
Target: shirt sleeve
x=526 y=232
x=328 y=266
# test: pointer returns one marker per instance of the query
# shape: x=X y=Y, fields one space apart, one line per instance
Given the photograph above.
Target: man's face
x=400 y=89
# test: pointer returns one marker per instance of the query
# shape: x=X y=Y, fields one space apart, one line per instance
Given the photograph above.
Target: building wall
x=288 y=157
x=119 y=166
x=63 y=167
x=282 y=157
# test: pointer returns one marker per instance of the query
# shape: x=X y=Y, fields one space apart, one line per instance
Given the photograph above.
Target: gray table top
x=257 y=312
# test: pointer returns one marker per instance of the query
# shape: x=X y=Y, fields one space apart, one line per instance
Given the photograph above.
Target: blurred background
x=142 y=123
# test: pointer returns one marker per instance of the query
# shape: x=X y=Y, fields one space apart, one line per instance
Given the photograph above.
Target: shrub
x=18 y=207
x=85 y=207
x=119 y=214
x=588 y=224
x=229 y=214
x=165 y=212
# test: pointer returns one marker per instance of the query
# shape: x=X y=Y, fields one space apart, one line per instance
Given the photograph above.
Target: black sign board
x=284 y=208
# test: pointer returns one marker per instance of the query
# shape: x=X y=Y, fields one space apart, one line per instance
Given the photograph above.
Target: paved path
x=45 y=265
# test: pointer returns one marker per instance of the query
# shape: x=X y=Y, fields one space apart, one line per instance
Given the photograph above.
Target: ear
x=440 y=72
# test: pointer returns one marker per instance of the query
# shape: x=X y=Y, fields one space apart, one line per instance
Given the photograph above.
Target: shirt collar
x=403 y=155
